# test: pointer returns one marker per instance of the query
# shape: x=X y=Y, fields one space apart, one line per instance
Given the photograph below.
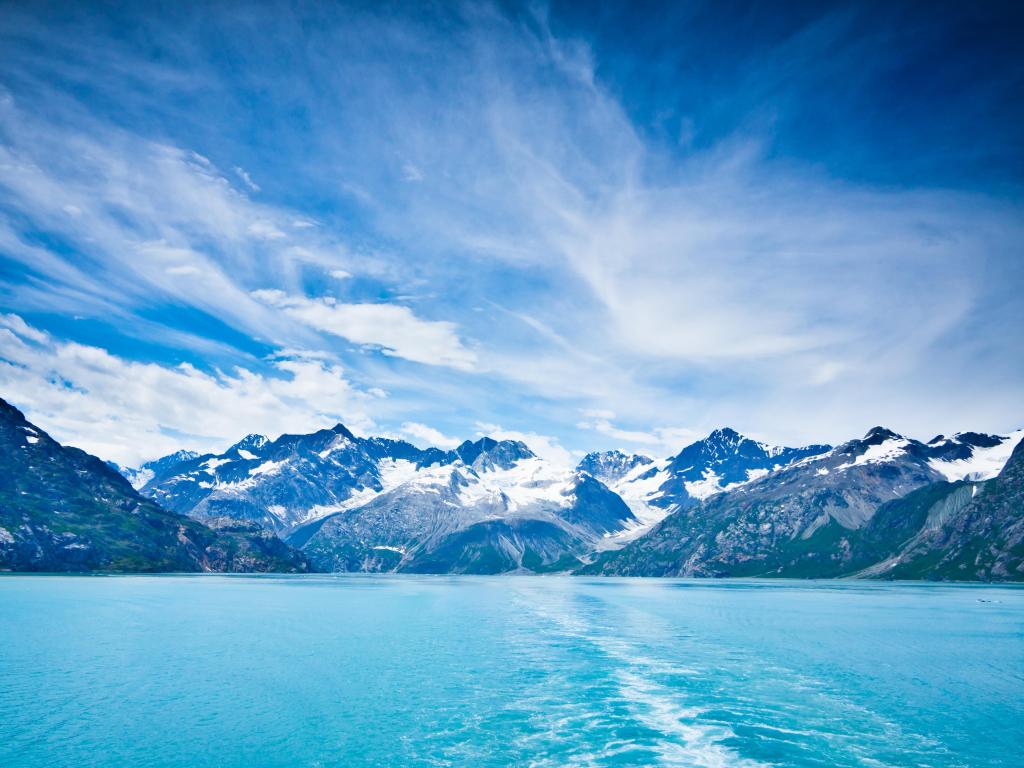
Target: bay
x=323 y=671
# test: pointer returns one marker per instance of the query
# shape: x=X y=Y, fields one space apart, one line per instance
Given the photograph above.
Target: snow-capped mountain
x=287 y=482
x=356 y=502
x=722 y=461
x=801 y=519
x=612 y=466
x=971 y=455
x=143 y=474
x=506 y=509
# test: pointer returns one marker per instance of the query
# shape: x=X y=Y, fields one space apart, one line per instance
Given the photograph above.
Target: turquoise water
x=424 y=671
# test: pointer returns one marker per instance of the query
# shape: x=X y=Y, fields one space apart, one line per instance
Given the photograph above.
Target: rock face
x=64 y=510
x=881 y=506
x=506 y=510
x=969 y=531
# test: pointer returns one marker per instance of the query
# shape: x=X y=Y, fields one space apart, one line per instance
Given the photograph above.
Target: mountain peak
x=469 y=450
x=729 y=457
x=341 y=429
x=880 y=435
x=725 y=433
x=506 y=451
x=251 y=442
x=611 y=466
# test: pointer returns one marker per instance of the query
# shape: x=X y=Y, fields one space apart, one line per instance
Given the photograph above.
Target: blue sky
x=589 y=226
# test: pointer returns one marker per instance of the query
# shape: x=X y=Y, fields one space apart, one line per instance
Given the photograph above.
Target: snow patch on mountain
x=888 y=450
x=267 y=468
x=984 y=463
x=639 y=487
x=524 y=484
x=138 y=477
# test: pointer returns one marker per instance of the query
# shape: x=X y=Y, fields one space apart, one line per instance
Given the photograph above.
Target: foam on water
x=685 y=741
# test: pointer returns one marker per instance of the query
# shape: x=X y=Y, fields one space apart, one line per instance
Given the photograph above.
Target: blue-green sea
x=523 y=671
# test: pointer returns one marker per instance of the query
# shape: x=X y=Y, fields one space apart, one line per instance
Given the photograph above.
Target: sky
x=587 y=226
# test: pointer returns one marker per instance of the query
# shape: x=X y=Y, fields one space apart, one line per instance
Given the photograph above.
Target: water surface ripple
x=323 y=671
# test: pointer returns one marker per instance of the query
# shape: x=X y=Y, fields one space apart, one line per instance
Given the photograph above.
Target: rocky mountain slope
x=379 y=504
x=722 y=461
x=838 y=513
x=972 y=531
x=64 y=510
x=505 y=510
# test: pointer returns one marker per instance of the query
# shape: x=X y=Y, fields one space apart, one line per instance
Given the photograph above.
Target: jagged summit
x=490 y=452
x=611 y=466
x=253 y=443
x=341 y=429
x=731 y=457
x=725 y=435
x=182 y=455
x=469 y=450
x=877 y=435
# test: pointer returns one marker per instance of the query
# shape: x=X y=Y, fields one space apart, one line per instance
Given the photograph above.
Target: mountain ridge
x=879 y=506
x=62 y=509
x=827 y=515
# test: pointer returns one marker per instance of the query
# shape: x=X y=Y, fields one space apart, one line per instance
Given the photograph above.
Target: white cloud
x=545 y=446
x=340 y=274
x=129 y=411
x=184 y=269
x=393 y=328
x=23 y=329
x=605 y=427
x=244 y=176
x=663 y=441
x=428 y=435
x=266 y=230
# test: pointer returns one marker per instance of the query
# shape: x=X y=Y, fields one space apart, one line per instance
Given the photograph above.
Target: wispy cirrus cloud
x=514 y=218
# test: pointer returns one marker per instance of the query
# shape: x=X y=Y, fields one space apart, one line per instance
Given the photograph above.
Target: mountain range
x=883 y=506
